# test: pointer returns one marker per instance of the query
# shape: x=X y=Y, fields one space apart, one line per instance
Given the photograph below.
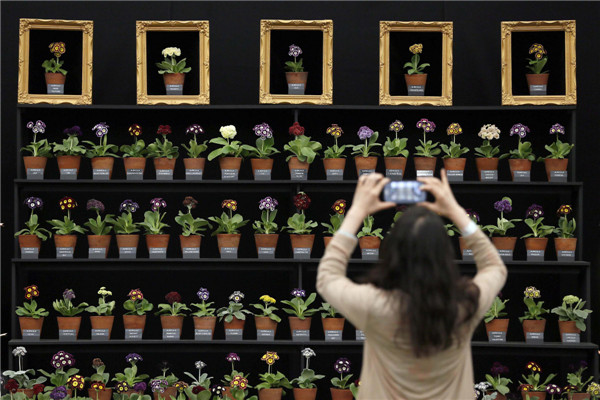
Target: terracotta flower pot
x=395 y=164
x=235 y=323
x=365 y=163
x=270 y=394
x=55 y=78
x=555 y=164
x=413 y=81
x=333 y=324
x=462 y=245
x=305 y=394
x=192 y=241
x=455 y=164
x=497 y=325
x=69 y=162
x=567 y=327
x=565 y=244
x=105 y=394
x=261 y=164
x=537 y=79
x=102 y=322
x=297 y=324
x=128 y=240
x=294 y=163
x=174 y=79
x=134 y=163
x=335 y=164
x=539 y=395
x=265 y=323
x=425 y=163
x=134 y=322
x=266 y=240
x=99 y=241
x=486 y=164
x=302 y=241
x=30 y=323
x=30 y=241
x=69 y=323
x=170 y=391
x=206 y=323
x=326 y=240
x=369 y=242
x=65 y=240
x=536 y=243
x=164 y=163
x=296 y=77
x=341 y=394
x=194 y=163
x=32 y=162
x=498 y=395
x=160 y=241
x=230 y=162
x=533 y=325
x=27 y=392
x=518 y=164
x=504 y=243
x=579 y=396
x=104 y=163
x=171 y=322
x=228 y=240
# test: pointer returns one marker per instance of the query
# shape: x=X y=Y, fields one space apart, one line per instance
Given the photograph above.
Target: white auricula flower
x=199 y=364
x=308 y=352
x=228 y=131
x=171 y=51
x=104 y=292
x=19 y=351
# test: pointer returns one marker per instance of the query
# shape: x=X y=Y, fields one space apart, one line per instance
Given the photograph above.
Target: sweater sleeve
x=350 y=299
x=491 y=271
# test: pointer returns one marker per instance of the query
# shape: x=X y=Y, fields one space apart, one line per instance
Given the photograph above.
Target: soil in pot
x=206 y=323
x=305 y=394
x=102 y=322
x=555 y=164
x=365 y=165
x=270 y=394
x=104 y=163
x=518 y=164
x=69 y=323
x=341 y=394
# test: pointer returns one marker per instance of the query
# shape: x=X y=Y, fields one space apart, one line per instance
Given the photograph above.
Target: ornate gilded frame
x=202 y=27
x=446 y=29
x=87 y=30
x=266 y=26
x=568 y=26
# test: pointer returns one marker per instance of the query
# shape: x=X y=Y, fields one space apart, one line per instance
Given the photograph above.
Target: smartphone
x=404 y=192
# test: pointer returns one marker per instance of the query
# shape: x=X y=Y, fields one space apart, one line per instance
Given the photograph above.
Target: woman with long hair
x=417 y=312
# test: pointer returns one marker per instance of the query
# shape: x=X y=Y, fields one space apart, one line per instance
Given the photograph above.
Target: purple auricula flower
x=294 y=51
x=62 y=359
x=553 y=389
x=499 y=369
x=129 y=205
x=34 y=202
x=519 y=129
x=473 y=215
x=396 y=126
x=342 y=365
x=535 y=211
x=100 y=129
x=132 y=358
x=232 y=357
x=427 y=125
x=556 y=129
x=263 y=131
x=96 y=205
x=298 y=292
x=268 y=203
x=73 y=131
x=68 y=294
x=38 y=127
x=58 y=393
x=503 y=206
x=364 y=132
x=203 y=294
x=158 y=385
x=140 y=387
x=194 y=129
x=157 y=203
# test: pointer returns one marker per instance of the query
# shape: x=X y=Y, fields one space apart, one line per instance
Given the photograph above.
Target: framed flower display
x=55 y=61
x=415 y=62
x=296 y=62
x=538 y=62
x=172 y=60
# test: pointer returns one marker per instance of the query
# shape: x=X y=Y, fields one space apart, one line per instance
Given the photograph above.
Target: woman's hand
x=366 y=199
x=445 y=204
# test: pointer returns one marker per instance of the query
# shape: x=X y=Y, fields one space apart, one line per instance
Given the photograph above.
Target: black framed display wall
x=234 y=100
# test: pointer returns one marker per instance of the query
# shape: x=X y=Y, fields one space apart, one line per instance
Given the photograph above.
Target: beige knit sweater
x=389 y=368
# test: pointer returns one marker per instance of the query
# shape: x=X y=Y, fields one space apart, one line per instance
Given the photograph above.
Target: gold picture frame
x=268 y=25
x=570 y=96
x=87 y=30
x=202 y=27
x=446 y=28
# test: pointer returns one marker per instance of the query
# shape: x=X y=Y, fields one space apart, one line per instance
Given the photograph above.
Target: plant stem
x=307 y=360
x=20 y=363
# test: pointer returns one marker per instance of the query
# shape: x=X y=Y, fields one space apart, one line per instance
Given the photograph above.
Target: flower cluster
x=100 y=129
x=135 y=130
x=503 y=206
x=38 y=127
x=199 y=364
x=230 y=204
x=12 y=386
x=129 y=206
x=416 y=48
x=270 y=357
x=473 y=215
x=76 y=382
x=31 y=291
x=295 y=51
x=525 y=387
x=499 y=369
x=335 y=131
x=364 y=132
x=34 y=202
x=158 y=385
x=103 y=292
x=396 y=126
x=132 y=358
x=339 y=206
x=263 y=131
x=157 y=203
x=73 y=131
x=569 y=389
x=489 y=132
x=194 y=129
x=19 y=351
x=68 y=294
x=532 y=293
x=203 y=294
x=556 y=129
x=97 y=385
x=190 y=202
x=519 y=129
x=67 y=203
x=301 y=201
x=535 y=211
x=171 y=51
x=197 y=389
x=57 y=48
x=267 y=299
x=539 y=51
x=342 y=365
x=298 y=293
x=427 y=125
x=308 y=352
x=232 y=357
x=553 y=389
x=569 y=300
x=135 y=294
x=163 y=130
x=296 y=129
x=239 y=382
x=236 y=296
x=93 y=204
x=217 y=390
x=454 y=129
x=532 y=366
x=58 y=393
x=62 y=359
x=268 y=203
x=180 y=386
x=173 y=297
x=565 y=209
x=593 y=389
x=228 y=131
x=140 y=387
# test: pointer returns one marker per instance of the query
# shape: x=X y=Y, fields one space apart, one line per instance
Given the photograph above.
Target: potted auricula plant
x=40 y=151
x=55 y=74
x=31 y=318
x=265 y=230
x=134 y=319
x=303 y=152
x=333 y=322
x=341 y=385
x=266 y=320
x=173 y=71
x=533 y=387
x=102 y=322
x=300 y=313
x=537 y=79
x=68 y=153
x=369 y=239
x=556 y=162
x=496 y=325
x=19 y=385
x=533 y=323
x=465 y=251
x=339 y=210
x=98 y=389
x=334 y=160
x=199 y=388
x=191 y=228
x=300 y=229
x=575 y=390
x=164 y=154
x=101 y=154
x=415 y=77
x=134 y=155
x=296 y=77
x=307 y=389
x=536 y=241
x=565 y=241
x=171 y=315
x=498 y=382
x=65 y=237
x=593 y=390
x=156 y=240
x=486 y=161
x=261 y=161
x=99 y=240
x=272 y=384
x=231 y=153
x=454 y=163
x=227 y=380
x=365 y=158
x=64 y=368
x=504 y=244
x=30 y=237
x=194 y=164
x=571 y=316
x=427 y=151
x=234 y=315
x=228 y=229
x=165 y=387
x=520 y=158
x=204 y=319
x=126 y=230
x=395 y=153
x=68 y=322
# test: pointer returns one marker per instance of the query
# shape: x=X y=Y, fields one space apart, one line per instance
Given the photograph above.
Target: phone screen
x=404 y=192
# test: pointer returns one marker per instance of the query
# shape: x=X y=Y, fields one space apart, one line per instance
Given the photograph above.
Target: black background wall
x=234 y=48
